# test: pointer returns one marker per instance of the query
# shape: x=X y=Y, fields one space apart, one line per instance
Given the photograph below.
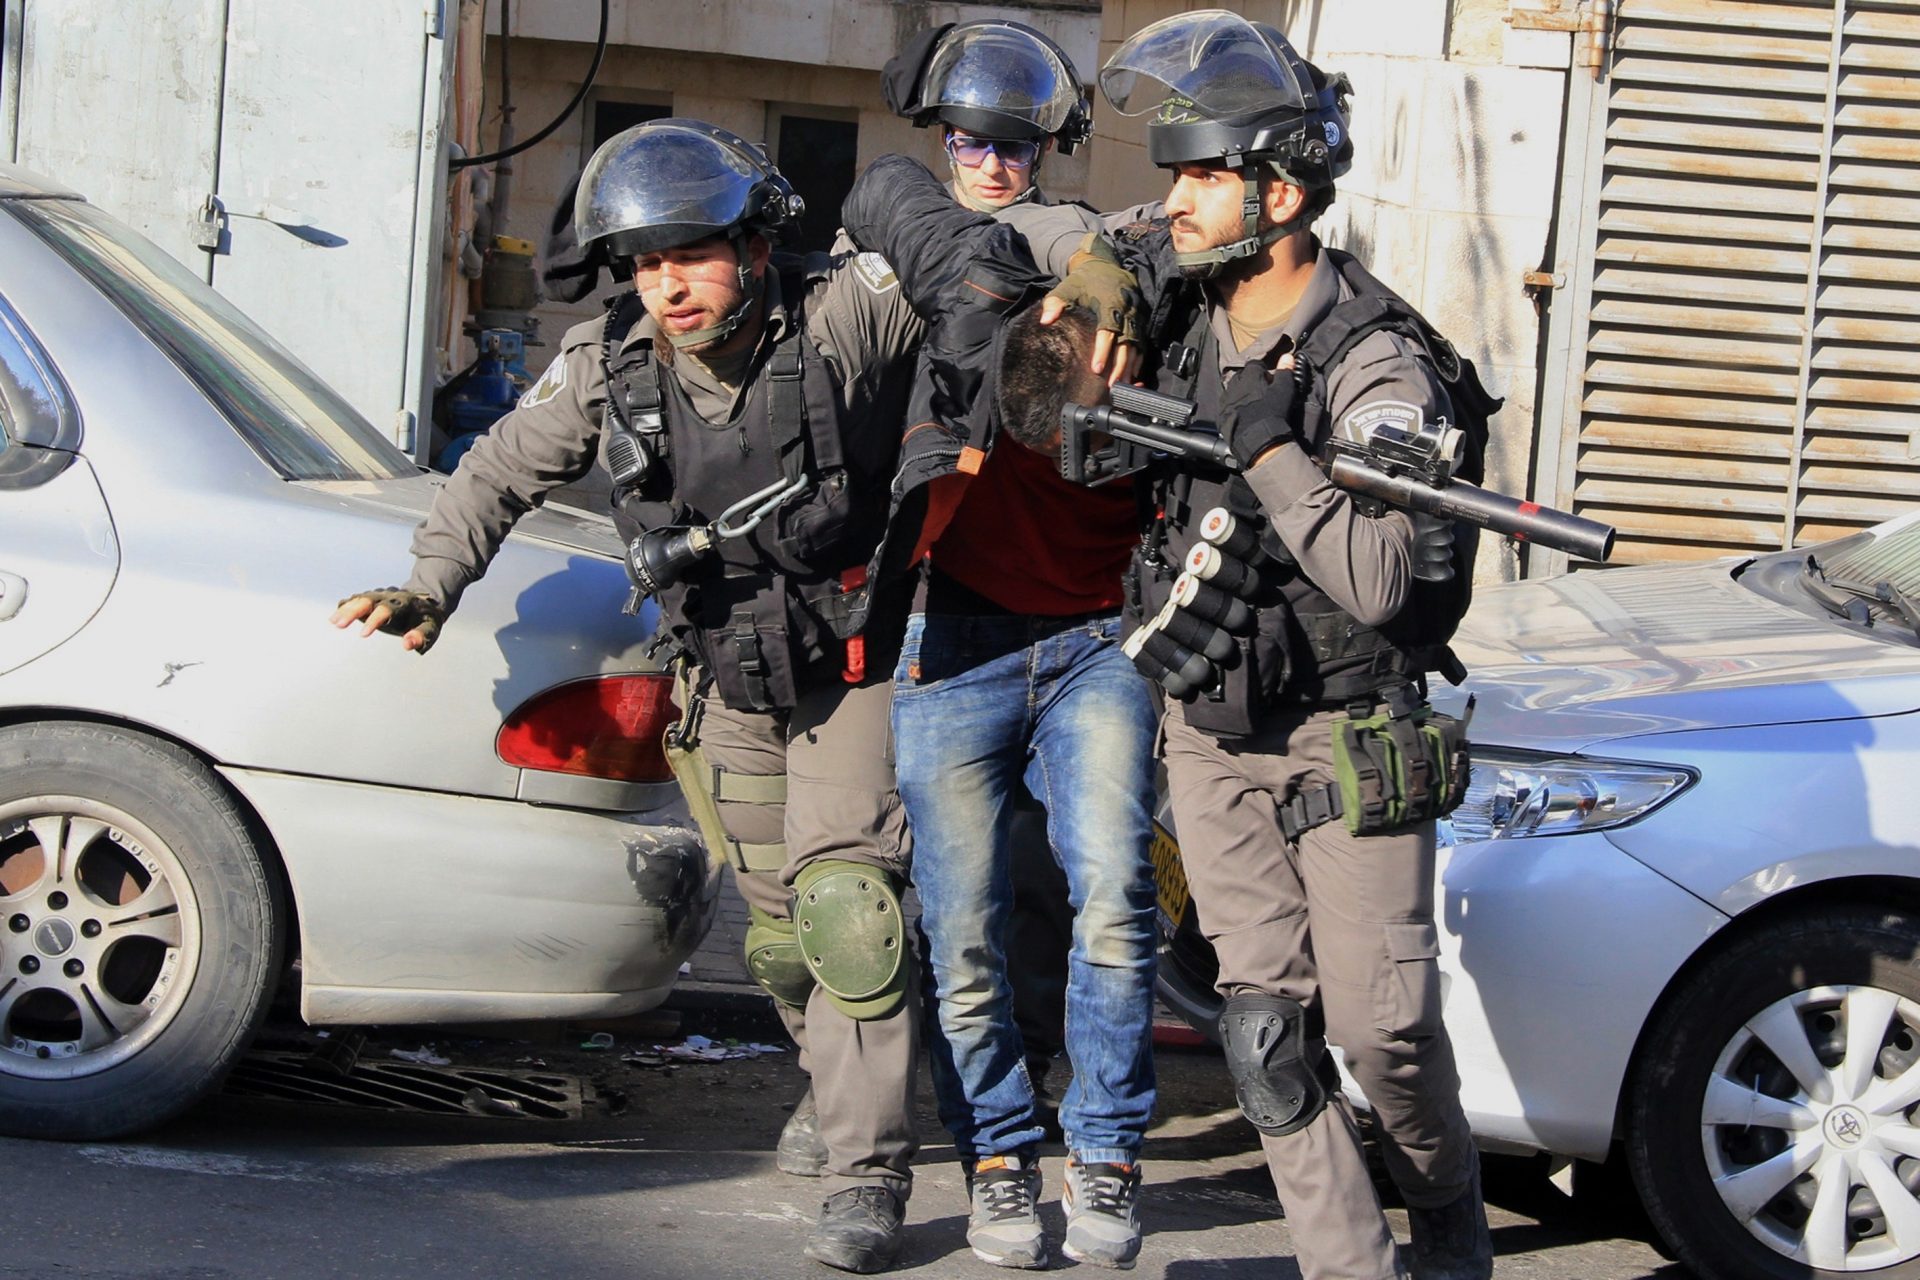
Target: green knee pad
x=774 y=960
x=852 y=937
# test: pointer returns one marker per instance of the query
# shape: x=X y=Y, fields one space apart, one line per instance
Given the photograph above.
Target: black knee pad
x=1276 y=1067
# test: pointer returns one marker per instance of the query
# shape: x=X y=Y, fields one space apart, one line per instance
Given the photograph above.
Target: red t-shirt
x=1035 y=543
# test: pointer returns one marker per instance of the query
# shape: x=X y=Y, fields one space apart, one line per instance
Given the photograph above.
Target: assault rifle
x=1410 y=469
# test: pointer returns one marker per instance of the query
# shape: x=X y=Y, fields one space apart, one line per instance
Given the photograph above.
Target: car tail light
x=608 y=727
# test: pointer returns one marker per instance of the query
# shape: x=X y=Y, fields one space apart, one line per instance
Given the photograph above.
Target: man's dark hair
x=1043 y=367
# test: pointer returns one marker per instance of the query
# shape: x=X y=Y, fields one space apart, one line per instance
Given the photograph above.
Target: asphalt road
x=678 y=1185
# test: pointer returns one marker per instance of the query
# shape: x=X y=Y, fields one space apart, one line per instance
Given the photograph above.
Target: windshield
x=1867 y=582
x=296 y=423
x=1885 y=553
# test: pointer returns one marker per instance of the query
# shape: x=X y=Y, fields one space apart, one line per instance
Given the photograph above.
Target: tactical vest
x=1306 y=649
x=767 y=614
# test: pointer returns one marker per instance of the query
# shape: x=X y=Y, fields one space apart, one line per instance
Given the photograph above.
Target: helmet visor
x=1209 y=65
x=662 y=176
x=1003 y=70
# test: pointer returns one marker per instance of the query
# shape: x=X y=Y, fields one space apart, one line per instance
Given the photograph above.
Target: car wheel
x=1771 y=1124
x=139 y=931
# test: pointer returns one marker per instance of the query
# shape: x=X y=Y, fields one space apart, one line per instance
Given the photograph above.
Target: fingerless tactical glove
x=411 y=610
x=1096 y=281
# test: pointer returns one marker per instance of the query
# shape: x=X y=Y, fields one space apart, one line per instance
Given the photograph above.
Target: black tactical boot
x=802 y=1152
x=1452 y=1242
x=859 y=1230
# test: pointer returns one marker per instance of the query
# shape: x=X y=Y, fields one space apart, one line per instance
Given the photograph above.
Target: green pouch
x=1396 y=771
x=1364 y=767
x=1446 y=743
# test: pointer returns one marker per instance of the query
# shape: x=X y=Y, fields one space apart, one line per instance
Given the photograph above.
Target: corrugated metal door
x=1743 y=321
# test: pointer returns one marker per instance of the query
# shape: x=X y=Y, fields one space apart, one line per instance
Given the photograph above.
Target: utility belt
x=1393 y=768
x=763 y=638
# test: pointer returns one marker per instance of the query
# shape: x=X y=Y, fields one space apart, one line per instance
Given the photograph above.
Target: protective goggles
x=973 y=152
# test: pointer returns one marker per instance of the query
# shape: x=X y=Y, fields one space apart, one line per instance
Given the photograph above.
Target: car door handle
x=13 y=594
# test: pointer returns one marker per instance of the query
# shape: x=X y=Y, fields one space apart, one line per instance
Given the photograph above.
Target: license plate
x=1169 y=880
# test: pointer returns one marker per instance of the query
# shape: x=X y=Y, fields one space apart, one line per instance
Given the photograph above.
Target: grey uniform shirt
x=857 y=319
x=1363 y=563
x=1052 y=231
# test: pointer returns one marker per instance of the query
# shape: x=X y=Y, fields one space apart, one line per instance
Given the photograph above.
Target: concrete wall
x=1451 y=195
x=860 y=34
x=734 y=63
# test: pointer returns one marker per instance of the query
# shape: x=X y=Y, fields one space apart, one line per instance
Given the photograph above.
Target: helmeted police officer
x=1004 y=97
x=1311 y=865
x=750 y=415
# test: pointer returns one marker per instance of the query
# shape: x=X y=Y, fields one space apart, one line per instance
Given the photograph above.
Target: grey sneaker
x=858 y=1230
x=1004 y=1225
x=1103 y=1213
x=1452 y=1242
x=802 y=1151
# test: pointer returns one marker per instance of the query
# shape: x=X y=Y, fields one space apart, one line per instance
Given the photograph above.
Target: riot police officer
x=1005 y=97
x=1316 y=891
x=750 y=415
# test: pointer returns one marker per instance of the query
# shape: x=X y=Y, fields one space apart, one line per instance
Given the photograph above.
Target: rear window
x=297 y=424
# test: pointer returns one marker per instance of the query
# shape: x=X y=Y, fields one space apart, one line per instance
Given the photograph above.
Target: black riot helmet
x=992 y=78
x=1223 y=89
x=672 y=182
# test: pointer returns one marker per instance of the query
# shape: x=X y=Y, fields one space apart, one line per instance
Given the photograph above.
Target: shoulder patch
x=551 y=384
x=1360 y=424
x=875 y=272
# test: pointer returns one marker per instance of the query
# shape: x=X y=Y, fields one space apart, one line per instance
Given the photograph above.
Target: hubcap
x=1808 y=1127
x=103 y=937
x=54 y=938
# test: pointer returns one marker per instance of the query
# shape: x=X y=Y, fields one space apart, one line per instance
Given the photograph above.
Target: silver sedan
x=207 y=794
x=1681 y=911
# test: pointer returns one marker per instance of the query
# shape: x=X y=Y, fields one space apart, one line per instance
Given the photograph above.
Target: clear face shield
x=1001 y=72
x=668 y=183
x=1218 y=89
x=1206 y=66
x=663 y=184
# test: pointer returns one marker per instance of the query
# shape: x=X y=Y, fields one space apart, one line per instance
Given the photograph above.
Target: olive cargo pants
x=1345 y=926
x=836 y=751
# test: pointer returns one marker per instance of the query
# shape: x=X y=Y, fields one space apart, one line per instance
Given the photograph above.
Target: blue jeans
x=979 y=703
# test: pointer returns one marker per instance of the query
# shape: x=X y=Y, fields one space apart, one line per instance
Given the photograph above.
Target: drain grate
x=403 y=1086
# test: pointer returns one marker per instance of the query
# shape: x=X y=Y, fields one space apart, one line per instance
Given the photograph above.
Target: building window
x=610 y=118
x=816 y=153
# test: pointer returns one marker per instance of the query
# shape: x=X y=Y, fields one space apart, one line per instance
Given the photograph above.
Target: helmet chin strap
x=731 y=322
x=1205 y=264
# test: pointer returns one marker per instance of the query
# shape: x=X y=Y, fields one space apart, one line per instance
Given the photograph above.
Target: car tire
x=1769 y=1128
x=137 y=961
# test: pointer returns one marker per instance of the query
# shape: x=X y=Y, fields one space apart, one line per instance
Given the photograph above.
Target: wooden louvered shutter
x=1743 y=330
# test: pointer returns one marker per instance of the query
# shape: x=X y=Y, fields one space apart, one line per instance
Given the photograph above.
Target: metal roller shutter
x=1742 y=372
